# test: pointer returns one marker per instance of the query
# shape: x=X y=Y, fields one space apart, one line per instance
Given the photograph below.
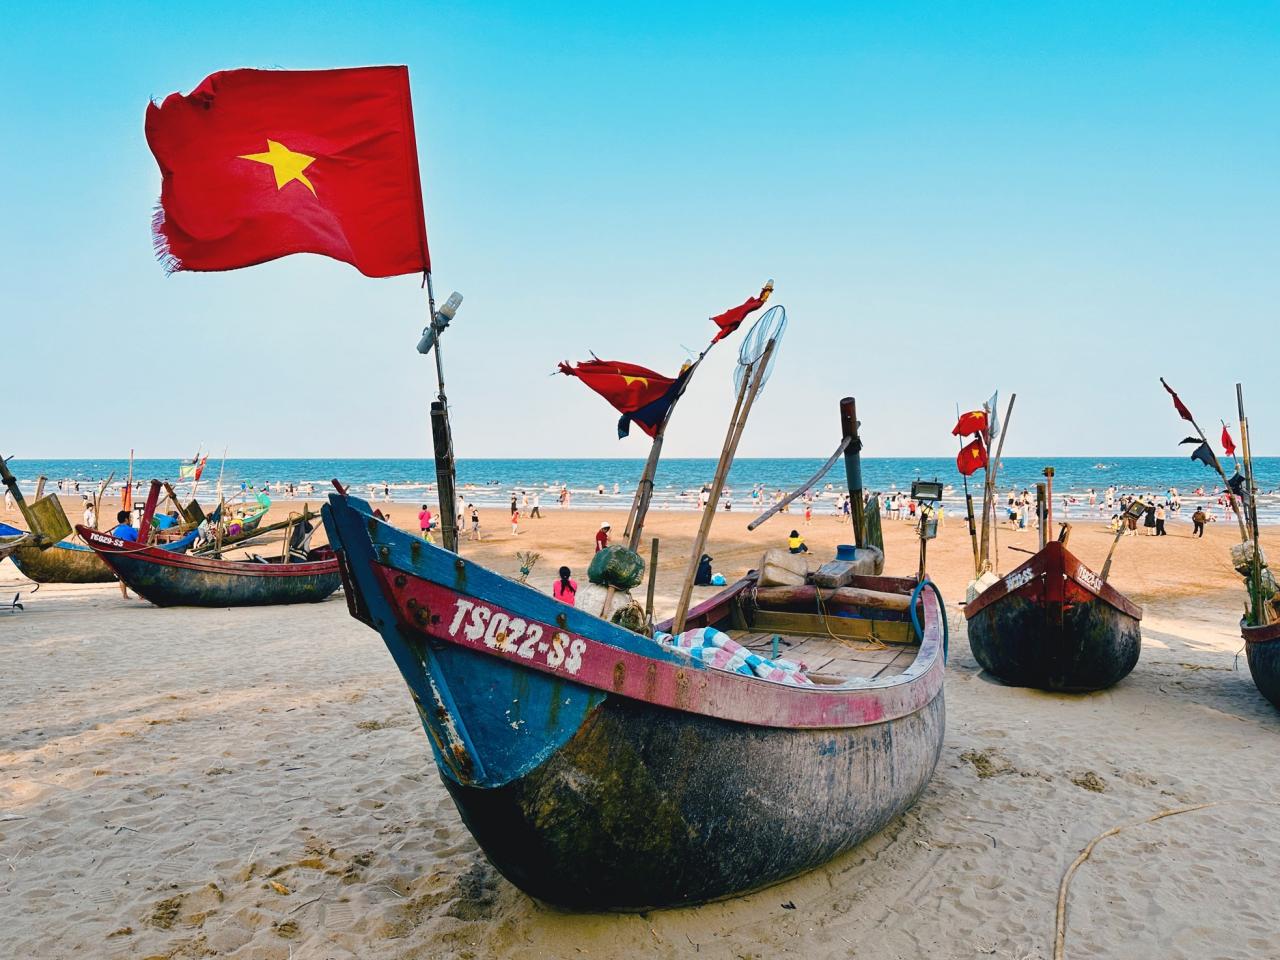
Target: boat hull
x=62 y=564
x=1053 y=624
x=625 y=776
x=646 y=807
x=1262 y=649
x=170 y=579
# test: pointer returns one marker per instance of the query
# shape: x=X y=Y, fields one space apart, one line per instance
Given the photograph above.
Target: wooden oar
x=798 y=491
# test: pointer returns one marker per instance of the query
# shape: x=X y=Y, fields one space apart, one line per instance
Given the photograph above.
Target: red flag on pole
x=260 y=164
x=975 y=421
x=638 y=393
x=1178 y=405
x=732 y=318
x=972 y=457
x=1227 y=444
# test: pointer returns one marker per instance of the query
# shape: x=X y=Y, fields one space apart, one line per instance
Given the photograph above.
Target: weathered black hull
x=173 y=586
x=1262 y=648
x=1052 y=632
x=647 y=807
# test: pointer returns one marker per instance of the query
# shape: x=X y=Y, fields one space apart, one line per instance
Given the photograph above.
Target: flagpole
x=441 y=433
x=1260 y=613
x=1231 y=497
x=988 y=495
x=752 y=380
x=968 y=500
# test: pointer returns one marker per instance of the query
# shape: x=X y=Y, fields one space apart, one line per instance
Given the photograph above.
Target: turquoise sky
x=1063 y=200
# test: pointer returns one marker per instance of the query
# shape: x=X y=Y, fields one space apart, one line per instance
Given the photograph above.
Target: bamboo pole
x=751 y=382
x=989 y=536
x=1261 y=615
x=1231 y=497
x=968 y=500
x=653 y=582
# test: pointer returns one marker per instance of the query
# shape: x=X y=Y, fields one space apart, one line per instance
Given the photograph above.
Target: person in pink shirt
x=565 y=590
x=424 y=520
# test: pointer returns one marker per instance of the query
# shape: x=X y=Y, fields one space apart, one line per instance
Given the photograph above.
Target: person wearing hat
x=602 y=536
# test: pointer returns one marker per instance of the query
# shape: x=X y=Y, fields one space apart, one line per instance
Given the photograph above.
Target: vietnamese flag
x=975 y=421
x=260 y=164
x=972 y=457
x=639 y=394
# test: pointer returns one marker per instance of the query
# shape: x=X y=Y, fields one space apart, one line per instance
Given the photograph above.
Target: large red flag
x=260 y=164
x=1228 y=445
x=972 y=457
x=638 y=393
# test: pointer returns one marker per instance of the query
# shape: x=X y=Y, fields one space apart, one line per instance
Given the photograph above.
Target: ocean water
x=492 y=482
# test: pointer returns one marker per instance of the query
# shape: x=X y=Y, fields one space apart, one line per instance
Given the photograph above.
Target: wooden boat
x=599 y=768
x=1054 y=624
x=69 y=562
x=1262 y=648
x=170 y=579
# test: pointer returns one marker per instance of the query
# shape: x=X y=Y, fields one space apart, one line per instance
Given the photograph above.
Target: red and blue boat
x=171 y=579
x=599 y=768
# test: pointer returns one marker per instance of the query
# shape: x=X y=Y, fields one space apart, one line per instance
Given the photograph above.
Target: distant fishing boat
x=170 y=579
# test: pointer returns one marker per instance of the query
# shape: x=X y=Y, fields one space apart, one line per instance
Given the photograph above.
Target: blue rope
x=942 y=607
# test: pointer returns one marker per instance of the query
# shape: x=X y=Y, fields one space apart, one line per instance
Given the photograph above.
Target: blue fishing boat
x=599 y=768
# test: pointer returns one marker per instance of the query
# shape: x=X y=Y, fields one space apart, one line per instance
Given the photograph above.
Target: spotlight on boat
x=443 y=316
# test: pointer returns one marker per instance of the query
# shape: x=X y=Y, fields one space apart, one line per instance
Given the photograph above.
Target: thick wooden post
x=853 y=467
x=1041 y=515
x=653 y=582
x=442 y=440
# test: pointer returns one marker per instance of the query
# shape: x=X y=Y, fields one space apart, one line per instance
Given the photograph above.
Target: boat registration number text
x=517 y=636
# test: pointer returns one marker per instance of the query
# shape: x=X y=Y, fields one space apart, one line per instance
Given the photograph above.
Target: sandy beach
x=253 y=783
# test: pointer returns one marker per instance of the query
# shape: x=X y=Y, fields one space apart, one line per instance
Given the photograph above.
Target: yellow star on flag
x=286 y=164
x=630 y=380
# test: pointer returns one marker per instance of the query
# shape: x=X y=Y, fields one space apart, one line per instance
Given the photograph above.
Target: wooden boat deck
x=828 y=658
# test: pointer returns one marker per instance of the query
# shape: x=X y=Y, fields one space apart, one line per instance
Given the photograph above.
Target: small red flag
x=1227 y=444
x=1178 y=405
x=639 y=394
x=972 y=457
x=260 y=164
x=975 y=421
x=732 y=318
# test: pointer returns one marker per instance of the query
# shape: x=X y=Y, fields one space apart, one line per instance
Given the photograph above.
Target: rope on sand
x=1060 y=938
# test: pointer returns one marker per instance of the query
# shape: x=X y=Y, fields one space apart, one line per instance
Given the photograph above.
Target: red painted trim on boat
x=1263 y=634
x=447 y=615
x=109 y=547
x=1059 y=566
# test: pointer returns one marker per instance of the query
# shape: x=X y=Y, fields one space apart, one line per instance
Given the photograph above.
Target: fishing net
x=769 y=328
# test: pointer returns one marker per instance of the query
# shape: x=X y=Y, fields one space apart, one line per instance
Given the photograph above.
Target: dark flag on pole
x=1178 y=405
x=642 y=396
x=1203 y=452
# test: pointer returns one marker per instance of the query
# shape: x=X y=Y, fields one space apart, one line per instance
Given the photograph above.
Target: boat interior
x=836 y=637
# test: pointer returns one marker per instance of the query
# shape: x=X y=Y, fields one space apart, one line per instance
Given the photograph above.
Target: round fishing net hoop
x=770 y=327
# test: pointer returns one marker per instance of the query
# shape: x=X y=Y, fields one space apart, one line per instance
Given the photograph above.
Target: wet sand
x=254 y=783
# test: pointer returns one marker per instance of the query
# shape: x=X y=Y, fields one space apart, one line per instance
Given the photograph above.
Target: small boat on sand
x=170 y=579
x=1054 y=624
x=71 y=562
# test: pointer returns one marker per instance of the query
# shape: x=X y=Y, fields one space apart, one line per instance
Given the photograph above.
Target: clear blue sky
x=1066 y=201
